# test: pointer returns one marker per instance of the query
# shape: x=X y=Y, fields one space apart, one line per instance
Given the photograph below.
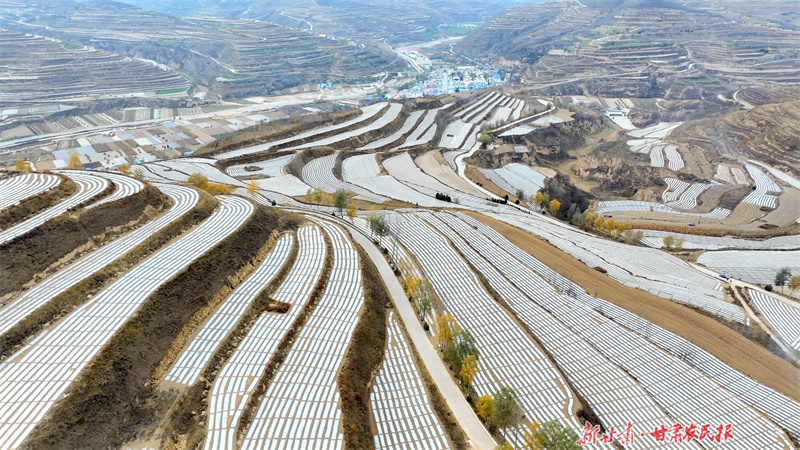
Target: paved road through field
x=476 y=433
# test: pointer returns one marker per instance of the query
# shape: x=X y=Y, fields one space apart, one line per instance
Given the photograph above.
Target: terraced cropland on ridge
x=622 y=49
x=18 y=188
x=88 y=188
x=50 y=71
x=262 y=354
x=229 y=57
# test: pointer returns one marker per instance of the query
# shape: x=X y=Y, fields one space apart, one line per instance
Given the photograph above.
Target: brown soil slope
x=729 y=346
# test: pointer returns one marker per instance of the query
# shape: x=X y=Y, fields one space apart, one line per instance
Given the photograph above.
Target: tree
x=555 y=205
x=611 y=225
x=679 y=244
x=550 y=436
x=75 y=162
x=506 y=408
x=351 y=212
x=544 y=201
x=469 y=367
x=317 y=196
x=669 y=241
x=463 y=344
x=138 y=174
x=378 y=225
x=577 y=218
x=536 y=198
x=252 y=188
x=410 y=282
x=598 y=222
x=485 y=407
x=424 y=305
x=520 y=194
x=125 y=169
x=794 y=284
x=422 y=298
x=447 y=326
x=20 y=165
x=217 y=188
x=783 y=276
x=198 y=179
x=632 y=237
x=485 y=139
x=340 y=201
x=530 y=439
x=309 y=195
x=572 y=211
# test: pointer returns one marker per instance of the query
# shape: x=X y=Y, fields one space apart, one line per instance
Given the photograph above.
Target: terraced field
x=70 y=74
x=89 y=187
x=72 y=344
x=231 y=57
x=18 y=188
x=264 y=355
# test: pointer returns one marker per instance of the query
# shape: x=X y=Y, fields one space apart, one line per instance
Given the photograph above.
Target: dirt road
x=732 y=348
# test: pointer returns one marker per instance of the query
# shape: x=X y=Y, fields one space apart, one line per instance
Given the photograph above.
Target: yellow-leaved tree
x=794 y=284
x=555 y=205
x=125 y=169
x=447 y=325
x=469 y=367
x=252 y=188
x=485 y=407
x=410 y=283
x=531 y=439
x=20 y=165
x=75 y=162
x=198 y=180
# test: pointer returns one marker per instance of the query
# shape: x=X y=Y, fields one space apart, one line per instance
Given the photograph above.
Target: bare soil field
x=744 y=214
x=475 y=175
x=729 y=346
x=788 y=209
